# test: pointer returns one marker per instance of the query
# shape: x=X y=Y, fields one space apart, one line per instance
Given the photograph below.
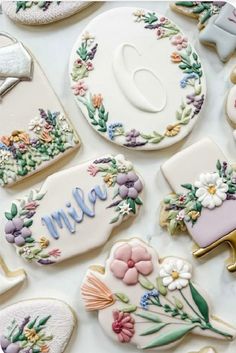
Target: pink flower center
x=130 y=263
x=117 y=327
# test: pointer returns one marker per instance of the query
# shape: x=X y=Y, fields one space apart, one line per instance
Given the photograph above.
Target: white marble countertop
x=51 y=45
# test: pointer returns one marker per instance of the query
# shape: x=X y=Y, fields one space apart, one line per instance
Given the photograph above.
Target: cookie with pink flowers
x=149 y=302
x=151 y=69
x=75 y=210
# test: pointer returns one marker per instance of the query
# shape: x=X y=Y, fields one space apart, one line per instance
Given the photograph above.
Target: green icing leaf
x=145 y=283
x=129 y=309
x=170 y=337
x=13 y=210
x=200 y=302
x=154 y=329
x=160 y=287
x=122 y=297
x=8 y=216
x=44 y=321
x=150 y=316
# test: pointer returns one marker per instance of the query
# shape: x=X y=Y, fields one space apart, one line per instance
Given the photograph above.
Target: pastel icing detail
x=94 y=103
x=43 y=5
x=221 y=31
x=203 y=10
x=129 y=262
x=204 y=205
x=47 y=231
x=155 y=312
x=36 y=325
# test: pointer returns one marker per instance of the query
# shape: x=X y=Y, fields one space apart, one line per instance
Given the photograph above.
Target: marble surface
x=51 y=45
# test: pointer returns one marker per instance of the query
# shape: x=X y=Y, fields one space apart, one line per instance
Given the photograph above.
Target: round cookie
x=149 y=302
x=75 y=210
x=41 y=12
x=142 y=87
x=36 y=325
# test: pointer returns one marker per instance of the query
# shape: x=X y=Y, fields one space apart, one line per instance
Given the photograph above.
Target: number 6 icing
x=203 y=201
x=149 y=302
x=75 y=210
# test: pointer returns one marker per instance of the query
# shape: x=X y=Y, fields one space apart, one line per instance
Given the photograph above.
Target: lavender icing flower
x=129 y=185
x=132 y=135
x=16 y=232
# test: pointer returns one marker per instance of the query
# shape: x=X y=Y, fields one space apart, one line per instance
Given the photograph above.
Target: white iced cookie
x=36 y=325
x=203 y=198
x=34 y=132
x=149 y=67
x=231 y=102
x=149 y=302
x=9 y=279
x=41 y=12
x=75 y=210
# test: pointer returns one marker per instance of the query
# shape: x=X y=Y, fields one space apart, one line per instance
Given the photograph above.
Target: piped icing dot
x=130 y=263
x=212 y=189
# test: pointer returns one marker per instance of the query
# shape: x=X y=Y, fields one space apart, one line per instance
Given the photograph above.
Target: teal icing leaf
x=8 y=216
x=150 y=316
x=200 y=302
x=169 y=337
x=154 y=329
x=13 y=210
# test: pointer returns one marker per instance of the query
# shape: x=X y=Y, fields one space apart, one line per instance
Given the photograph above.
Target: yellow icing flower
x=31 y=335
x=139 y=14
x=108 y=178
x=194 y=215
x=172 y=130
x=44 y=242
x=18 y=135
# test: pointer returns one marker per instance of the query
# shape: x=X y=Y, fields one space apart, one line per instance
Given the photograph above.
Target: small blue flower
x=186 y=78
x=3 y=147
x=144 y=301
x=112 y=128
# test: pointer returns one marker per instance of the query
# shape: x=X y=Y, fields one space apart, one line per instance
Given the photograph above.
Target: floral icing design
x=175 y=274
x=119 y=174
x=168 y=300
x=203 y=9
x=43 y=5
x=22 y=153
x=123 y=326
x=27 y=337
x=209 y=191
x=188 y=63
x=18 y=232
x=129 y=262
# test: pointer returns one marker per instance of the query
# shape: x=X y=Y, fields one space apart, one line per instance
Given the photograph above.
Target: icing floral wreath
x=29 y=336
x=184 y=56
x=18 y=232
x=169 y=300
x=119 y=174
x=210 y=191
x=21 y=153
x=43 y=5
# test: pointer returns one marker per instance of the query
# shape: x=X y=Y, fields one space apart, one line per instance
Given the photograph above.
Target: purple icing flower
x=132 y=135
x=129 y=185
x=16 y=232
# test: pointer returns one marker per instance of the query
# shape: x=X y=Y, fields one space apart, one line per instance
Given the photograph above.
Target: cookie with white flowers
x=41 y=12
x=151 y=69
x=36 y=325
x=75 y=210
x=149 y=302
x=34 y=132
x=203 y=198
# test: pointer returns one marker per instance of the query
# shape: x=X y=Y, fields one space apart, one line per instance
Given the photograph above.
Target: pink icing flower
x=179 y=41
x=123 y=326
x=93 y=170
x=160 y=32
x=89 y=66
x=31 y=206
x=129 y=261
x=55 y=253
x=80 y=88
x=78 y=63
x=164 y=20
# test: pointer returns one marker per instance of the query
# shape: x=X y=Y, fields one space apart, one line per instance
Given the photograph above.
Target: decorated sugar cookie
x=151 y=69
x=231 y=102
x=9 y=279
x=34 y=132
x=206 y=350
x=74 y=211
x=36 y=325
x=149 y=302
x=203 y=198
x=217 y=21
x=201 y=10
x=41 y=12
